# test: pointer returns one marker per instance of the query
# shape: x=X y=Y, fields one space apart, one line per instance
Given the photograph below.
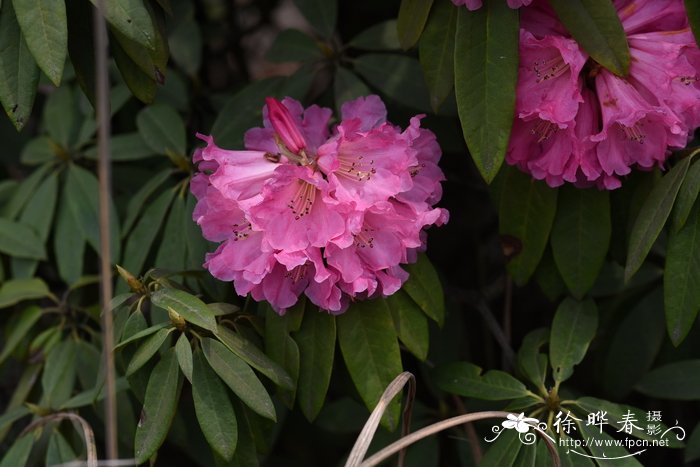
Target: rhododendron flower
x=578 y=122
x=303 y=210
x=476 y=4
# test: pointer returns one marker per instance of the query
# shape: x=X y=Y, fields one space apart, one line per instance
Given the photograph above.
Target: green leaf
x=652 y=216
x=124 y=147
x=368 y=343
x=254 y=357
x=80 y=51
x=59 y=374
x=281 y=348
x=424 y=287
x=68 y=242
x=381 y=36
x=27 y=319
x=686 y=197
x=172 y=251
x=465 y=379
x=138 y=200
x=692 y=9
x=20 y=241
x=316 y=341
x=486 y=73
x=675 y=381
x=141 y=334
x=322 y=14
x=141 y=85
x=213 y=408
x=347 y=86
x=292 y=45
x=24 y=192
x=239 y=377
x=530 y=358
x=18 y=454
x=573 y=329
x=581 y=236
x=605 y=447
x=398 y=76
x=44 y=26
x=140 y=240
x=162 y=129
x=595 y=26
x=410 y=323
x=185 y=41
x=38 y=150
x=160 y=404
x=437 y=52
x=59 y=450
x=147 y=350
x=681 y=278
x=131 y=18
x=183 y=351
x=16 y=290
x=526 y=213
x=61 y=117
x=19 y=74
x=413 y=14
x=503 y=452
x=191 y=308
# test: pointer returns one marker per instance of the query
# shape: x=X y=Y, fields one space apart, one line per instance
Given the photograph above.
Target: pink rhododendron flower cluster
x=476 y=4
x=331 y=215
x=578 y=122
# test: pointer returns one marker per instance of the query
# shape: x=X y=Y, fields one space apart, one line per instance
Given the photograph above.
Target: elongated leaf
x=18 y=454
x=347 y=86
x=322 y=14
x=44 y=26
x=573 y=329
x=486 y=72
x=125 y=147
x=131 y=18
x=162 y=129
x=24 y=192
x=254 y=357
x=147 y=350
x=292 y=45
x=213 y=408
x=183 y=350
x=19 y=74
x=172 y=251
x=676 y=381
x=191 y=308
x=594 y=24
x=405 y=83
x=526 y=213
x=38 y=150
x=68 y=242
x=686 y=197
x=159 y=407
x=153 y=62
x=437 y=52
x=20 y=241
x=652 y=216
x=16 y=290
x=281 y=348
x=682 y=278
x=424 y=287
x=381 y=36
x=413 y=15
x=316 y=341
x=605 y=446
x=465 y=379
x=62 y=117
x=27 y=319
x=368 y=343
x=138 y=200
x=141 y=334
x=59 y=450
x=239 y=377
x=59 y=374
x=581 y=236
x=503 y=452
x=80 y=51
x=410 y=323
x=530 y=358
x=141 y=85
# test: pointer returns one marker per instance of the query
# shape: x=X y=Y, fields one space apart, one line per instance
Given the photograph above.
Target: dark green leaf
x=692 y=8
x=424 y=287
x=347 y=86
x=239 y=377
x=410 y=323
x=486 y=73
x=675 y=381
x=185 y=42
x=183 y=350
x=24 y=192
x=19 y=74
x=595 y=26
x=59 y=450
x=159 y=407
x=38 y=150
x=404 y=83
x=162 y=129
x=141 y=334
x=292 y=45
x=20 y=241
x=131 y=18
x=61 y=117
x=503 y=452
x=16 y=290
x=44 y=26
x=371 y=353
x=213 y=408
x=18 y=454
x=59 y=374
x=526 y=213
x=606 y=447
x=68 y=242
x=125 y=147
x=281 y=348
x=316 y=341
x=81 y=51
x=322 y=14
x=530 y=358
x=573 y=329
x=686 y=197
x=27 y=319
x=652 y=216
x=147 y=350
x=581 y=236
x=465 y=379
x=172 y=251
x=191 y=308
x=138 y=200
x=381 y=36
x=254 y=357
x=413 y=15
x=437 y=52
x=141 y=85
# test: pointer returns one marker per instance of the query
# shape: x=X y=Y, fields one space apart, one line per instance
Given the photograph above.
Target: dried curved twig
x=87 y=432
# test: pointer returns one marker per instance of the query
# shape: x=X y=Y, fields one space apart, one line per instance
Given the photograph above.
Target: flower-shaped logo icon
x=521 y=423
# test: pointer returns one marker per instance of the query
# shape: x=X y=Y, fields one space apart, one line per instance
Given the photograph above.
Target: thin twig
x=497 y=332
x=103 y=131
x=472 y=437
x=508 y=318
x=84 y=425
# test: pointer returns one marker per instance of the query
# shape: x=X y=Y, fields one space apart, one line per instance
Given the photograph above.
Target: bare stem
x=84 y=425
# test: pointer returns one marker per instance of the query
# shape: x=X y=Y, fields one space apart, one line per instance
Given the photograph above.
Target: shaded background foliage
x=209 y=68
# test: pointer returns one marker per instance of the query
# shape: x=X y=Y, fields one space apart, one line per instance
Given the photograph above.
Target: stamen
x=415 y=170
x=634 y=133
x=364 y=239
x=687 y=80
x=356 y=168
x=274 y=158
x=544 y=130
x=303 y=200
x=548 y=69
x=241 y=231
x=296 y=274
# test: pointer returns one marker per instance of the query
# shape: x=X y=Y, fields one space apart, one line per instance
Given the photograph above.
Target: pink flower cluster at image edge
x=476 y=4
x=304 y=210
x=578 y=122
